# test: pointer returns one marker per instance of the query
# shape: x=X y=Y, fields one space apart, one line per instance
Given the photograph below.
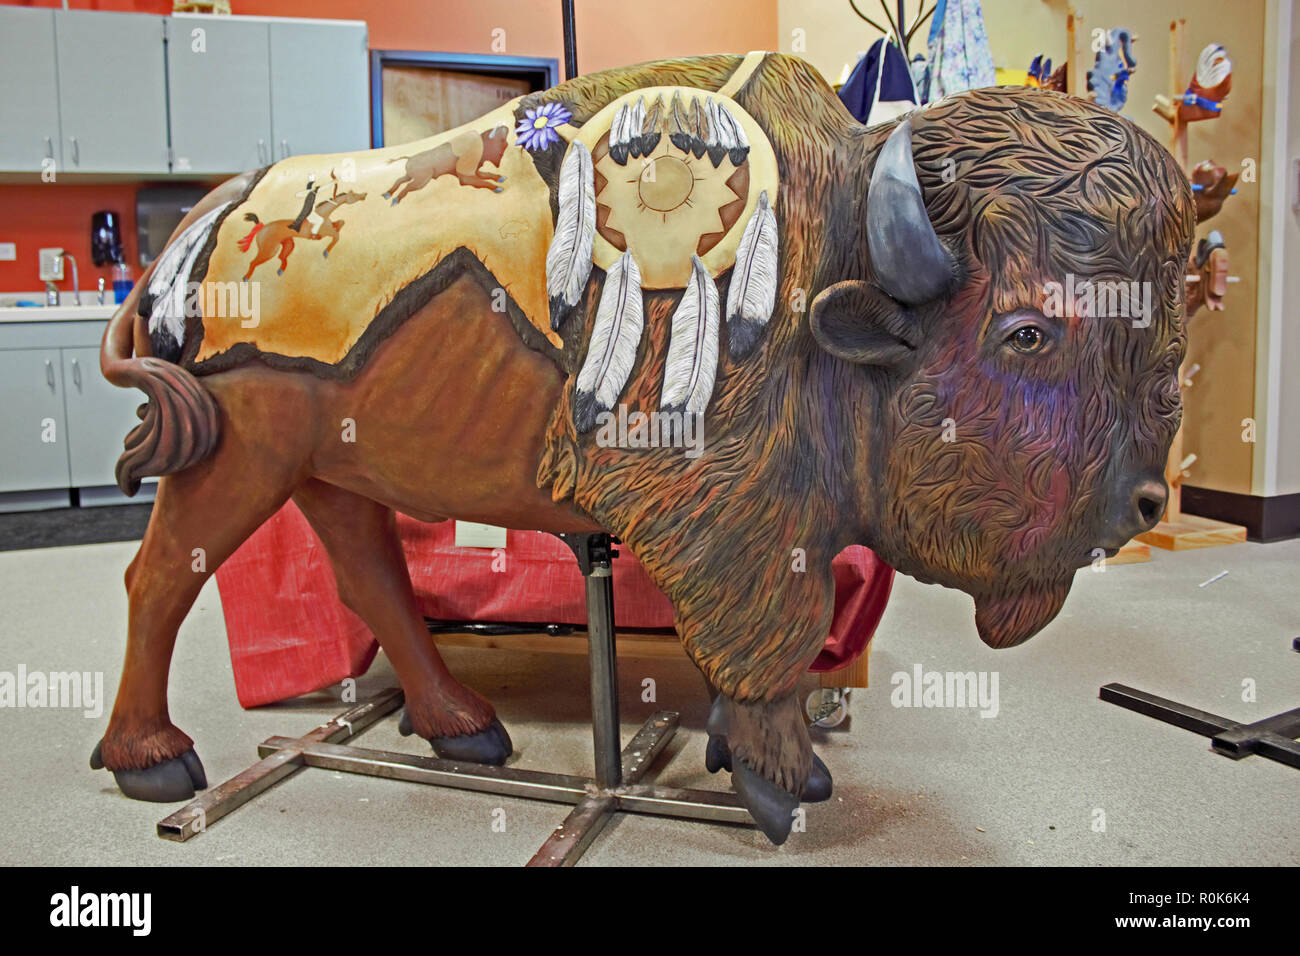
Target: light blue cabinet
x=120 y=93
x=33 y=436
x=219 y=70
x=29 y=108
x=112 y=92
x=61 y=423
x=99 y=416
x=319 y=87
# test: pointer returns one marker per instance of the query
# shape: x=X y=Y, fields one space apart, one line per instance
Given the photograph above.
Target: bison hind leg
x=492 y=745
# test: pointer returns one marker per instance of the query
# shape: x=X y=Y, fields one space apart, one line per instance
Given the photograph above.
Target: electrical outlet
x=8 y=252
x=51 y=268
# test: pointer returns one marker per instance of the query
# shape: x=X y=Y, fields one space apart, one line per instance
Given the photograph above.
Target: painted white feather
x=635 y=121
x=618 y=134
x=568 y=260
x=168 y=285
x=692 y=360
x=741 y=139
x=752 y=295
x=615 y=336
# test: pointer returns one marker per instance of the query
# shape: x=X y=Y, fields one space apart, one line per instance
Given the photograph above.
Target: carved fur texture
x=806 y=453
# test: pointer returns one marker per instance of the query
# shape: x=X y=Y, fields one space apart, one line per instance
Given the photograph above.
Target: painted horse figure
x=864 y=338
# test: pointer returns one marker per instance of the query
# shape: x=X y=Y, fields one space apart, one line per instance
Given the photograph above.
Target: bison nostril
x=1150 y=497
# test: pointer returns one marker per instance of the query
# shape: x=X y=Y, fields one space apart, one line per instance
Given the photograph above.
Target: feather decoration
x=650 y=133
x=700 y=128
x=716 y=147
x=568 y=260
x=168 y=285
x=752 y=294
x=635 y=121
x=737 y=141
x=618 y=134
x=611 y=353
x=692 y=360
x=679 y=124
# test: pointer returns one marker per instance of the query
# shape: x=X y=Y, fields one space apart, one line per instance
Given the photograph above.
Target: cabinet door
x=219 y=73
x=320 y=88
x=33 y=438
x=99 y=416
x=112 y=92
x=29 y=90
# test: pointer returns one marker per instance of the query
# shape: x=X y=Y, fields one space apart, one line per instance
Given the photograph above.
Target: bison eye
x=1027 y=339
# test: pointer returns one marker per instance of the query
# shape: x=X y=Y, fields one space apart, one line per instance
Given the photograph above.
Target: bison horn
x=909 y=261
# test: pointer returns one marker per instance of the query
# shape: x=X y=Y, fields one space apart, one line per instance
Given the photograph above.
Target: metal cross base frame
x=618 y=785
x=1273 y=737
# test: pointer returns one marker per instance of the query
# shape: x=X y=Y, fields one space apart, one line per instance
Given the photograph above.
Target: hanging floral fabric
x=960 y=58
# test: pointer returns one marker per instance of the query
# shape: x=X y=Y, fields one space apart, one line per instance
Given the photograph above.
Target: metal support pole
x=570 y=41
x=604 y=676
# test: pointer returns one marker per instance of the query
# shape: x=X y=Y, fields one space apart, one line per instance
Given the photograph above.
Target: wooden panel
x=1190 y=531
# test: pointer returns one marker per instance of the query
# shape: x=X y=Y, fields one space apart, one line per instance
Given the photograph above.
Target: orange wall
x=610 y=33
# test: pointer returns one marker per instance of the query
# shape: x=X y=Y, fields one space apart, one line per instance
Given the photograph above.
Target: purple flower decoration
x=537 y=129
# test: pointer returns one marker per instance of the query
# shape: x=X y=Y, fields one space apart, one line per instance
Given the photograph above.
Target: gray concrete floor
x=913 y=786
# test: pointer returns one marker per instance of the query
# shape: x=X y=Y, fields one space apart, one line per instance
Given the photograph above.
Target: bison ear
x=859 y=323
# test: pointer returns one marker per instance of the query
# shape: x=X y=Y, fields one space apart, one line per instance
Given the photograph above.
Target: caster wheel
x=827 y=707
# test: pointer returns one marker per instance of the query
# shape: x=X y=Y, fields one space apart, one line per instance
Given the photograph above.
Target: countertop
x=57 y=313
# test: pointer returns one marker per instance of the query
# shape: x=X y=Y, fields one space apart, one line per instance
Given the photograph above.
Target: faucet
x=76 y=283
x=51 y=293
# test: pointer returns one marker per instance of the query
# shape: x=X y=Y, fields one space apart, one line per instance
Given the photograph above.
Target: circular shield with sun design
x=677 y=171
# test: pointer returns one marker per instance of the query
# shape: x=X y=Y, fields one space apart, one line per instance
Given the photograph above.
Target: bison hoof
x=818 y=787
x=772 y=808
x=717 y=755
x=491 y=745
x=168 y=782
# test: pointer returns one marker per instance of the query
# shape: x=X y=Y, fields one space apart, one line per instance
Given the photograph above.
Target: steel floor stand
x=1273 y=737
x=619 y=784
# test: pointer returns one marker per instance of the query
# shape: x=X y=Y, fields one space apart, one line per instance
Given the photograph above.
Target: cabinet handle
x=261 y=147
x=76 y=151
x=76 y=373
x=49 y=373
x=49 y=148
x=284 y=149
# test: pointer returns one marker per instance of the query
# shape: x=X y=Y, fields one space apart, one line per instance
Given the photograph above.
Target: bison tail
x=179 y=424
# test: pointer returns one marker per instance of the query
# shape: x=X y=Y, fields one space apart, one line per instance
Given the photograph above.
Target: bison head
x=1020 y=417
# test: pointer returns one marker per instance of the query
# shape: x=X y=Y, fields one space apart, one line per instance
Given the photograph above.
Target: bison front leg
x=717 y=753
x=753 y=655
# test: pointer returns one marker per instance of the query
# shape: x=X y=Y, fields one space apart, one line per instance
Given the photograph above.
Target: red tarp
x=290 y=635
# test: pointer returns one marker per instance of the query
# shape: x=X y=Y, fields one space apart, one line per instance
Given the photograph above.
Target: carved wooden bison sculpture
x=849 y=325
